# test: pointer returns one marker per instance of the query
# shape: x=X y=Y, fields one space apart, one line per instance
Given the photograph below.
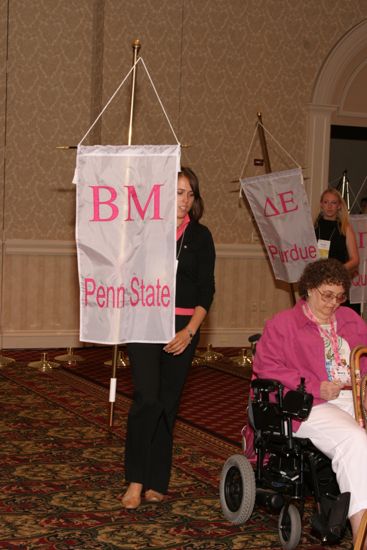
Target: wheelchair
x=288 y=469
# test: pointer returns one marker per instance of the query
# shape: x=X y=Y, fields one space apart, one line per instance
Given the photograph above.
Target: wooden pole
x=264 y=147
x=265 y=153
x=136 y=47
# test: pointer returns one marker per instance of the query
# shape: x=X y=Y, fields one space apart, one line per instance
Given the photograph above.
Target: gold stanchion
x=44 y=365
x=4 y=361
x=244 y=359
x=122 y=360
x=211 y=354
x=207 y=356
x=70 y=358
x=136 y=47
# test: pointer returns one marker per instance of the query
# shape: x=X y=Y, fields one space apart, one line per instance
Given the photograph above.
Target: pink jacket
x=291 y=347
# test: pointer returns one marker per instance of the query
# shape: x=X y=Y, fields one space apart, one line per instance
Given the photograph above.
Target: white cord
x=249 y=151
x=108 y=102
x=250 y=148
x=277 y=142
x=359 y=192
x=116 y=92
x=160 y=102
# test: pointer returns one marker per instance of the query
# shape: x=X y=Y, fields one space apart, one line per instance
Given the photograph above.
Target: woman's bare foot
x=153 y=496
x=132 y=498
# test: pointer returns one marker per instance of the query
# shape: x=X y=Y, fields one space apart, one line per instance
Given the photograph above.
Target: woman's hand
x=179 y=343
x=330 y=390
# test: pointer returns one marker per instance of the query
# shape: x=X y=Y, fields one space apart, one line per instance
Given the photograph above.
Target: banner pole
x=264 y=147
x=265 y=152
x=136 y=47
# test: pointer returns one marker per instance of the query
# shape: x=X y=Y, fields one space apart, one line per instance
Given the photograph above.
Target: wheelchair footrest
x=331 y=521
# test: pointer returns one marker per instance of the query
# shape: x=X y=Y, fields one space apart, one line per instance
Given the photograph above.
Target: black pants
x=158 y=378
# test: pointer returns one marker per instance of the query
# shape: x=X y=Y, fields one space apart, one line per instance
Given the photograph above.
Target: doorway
x=348 y=164
x=338 y=100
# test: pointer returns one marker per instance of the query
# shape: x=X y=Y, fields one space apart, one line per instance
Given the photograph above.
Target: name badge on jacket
x=324 y=247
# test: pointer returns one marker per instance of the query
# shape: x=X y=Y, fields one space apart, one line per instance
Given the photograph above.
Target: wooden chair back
x=359 y=384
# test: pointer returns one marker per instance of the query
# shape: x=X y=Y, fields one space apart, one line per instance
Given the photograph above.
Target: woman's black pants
x=158 y=379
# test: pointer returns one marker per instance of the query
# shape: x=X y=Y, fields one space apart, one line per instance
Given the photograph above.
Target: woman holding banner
x=159 y=370
x=313 y=341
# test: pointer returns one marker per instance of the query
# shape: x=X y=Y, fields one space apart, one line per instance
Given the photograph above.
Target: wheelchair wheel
x=237 y=489
x=289 y=527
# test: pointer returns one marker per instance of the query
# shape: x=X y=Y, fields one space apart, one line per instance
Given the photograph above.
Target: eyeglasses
x=329 y=296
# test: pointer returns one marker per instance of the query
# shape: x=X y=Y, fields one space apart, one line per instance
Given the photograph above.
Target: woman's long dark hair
x=197 y=209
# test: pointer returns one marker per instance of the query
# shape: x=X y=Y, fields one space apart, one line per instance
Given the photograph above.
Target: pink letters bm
x=132 y=197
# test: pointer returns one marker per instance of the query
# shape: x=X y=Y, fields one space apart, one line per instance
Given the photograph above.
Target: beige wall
x=215 y=64
x=3 y=41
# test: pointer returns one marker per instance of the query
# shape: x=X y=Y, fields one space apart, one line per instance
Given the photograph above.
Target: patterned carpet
x=214 y=398
x=62 y=477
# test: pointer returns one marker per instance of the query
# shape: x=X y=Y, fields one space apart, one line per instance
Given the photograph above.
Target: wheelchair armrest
x=266 y=385
x=297 y=404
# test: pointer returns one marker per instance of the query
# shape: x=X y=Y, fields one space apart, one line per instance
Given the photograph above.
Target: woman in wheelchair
x=313 y=341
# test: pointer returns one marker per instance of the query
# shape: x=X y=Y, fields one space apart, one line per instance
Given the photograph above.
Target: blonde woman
x=334 y=233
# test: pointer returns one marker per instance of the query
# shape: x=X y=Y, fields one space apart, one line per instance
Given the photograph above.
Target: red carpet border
x=213 y=400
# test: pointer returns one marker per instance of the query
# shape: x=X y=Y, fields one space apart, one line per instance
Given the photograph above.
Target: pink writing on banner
x=132 y=196
x=282 y=213
x=126 y=242
x=294 y=253
x=136 y=293
x=286 y=199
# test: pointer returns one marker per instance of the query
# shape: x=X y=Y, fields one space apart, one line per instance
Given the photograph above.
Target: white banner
x=279 y=204
x=126 y=242
x=358 y=289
